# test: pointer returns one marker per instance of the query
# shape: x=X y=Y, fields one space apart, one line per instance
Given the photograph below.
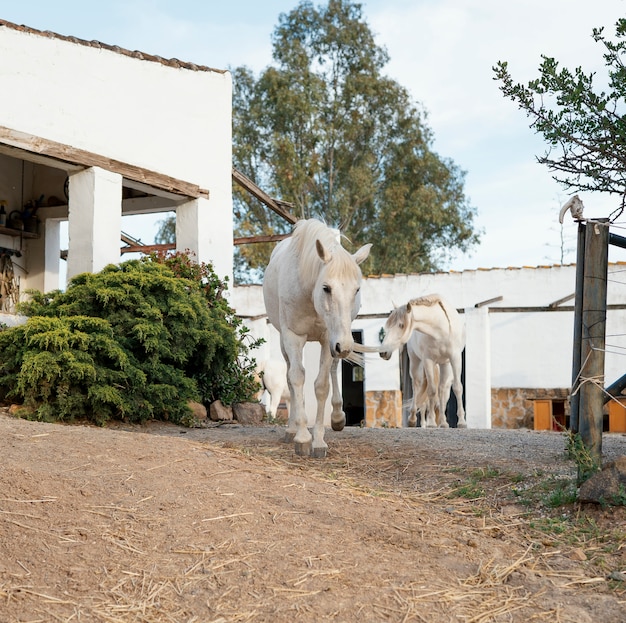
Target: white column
x=478 y=368
x=52 y=254
x=205 y=228
x=95 y=220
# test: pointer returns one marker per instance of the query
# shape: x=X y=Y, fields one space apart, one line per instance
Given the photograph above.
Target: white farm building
x=91 y=133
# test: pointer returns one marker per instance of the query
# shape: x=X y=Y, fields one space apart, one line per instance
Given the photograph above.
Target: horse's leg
x=445 y=383
x=275 y=397
x=292 y=346
x=337 y=417
x=432 y=391
x=457 y=388
x=414 y=373
x=322 y=386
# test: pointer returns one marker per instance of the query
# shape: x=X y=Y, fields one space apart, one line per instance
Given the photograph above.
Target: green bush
x=136 y=341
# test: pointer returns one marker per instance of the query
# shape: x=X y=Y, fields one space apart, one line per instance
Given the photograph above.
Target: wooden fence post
x=593 y=333
x=578 y=321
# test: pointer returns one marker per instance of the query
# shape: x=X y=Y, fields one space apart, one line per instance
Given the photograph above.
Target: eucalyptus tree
x=324 y=129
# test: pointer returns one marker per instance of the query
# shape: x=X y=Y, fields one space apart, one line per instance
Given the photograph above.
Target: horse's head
x=397 y=330
x=337 y=294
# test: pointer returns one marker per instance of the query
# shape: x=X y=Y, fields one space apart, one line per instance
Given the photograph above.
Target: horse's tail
x=361 y=348
x=356 y=356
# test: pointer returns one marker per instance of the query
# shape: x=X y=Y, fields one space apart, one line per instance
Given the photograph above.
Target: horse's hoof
x=289 y=437
x=319 y=453
x=412 y=423
x=338 y=425
x=461 y=425
x=303 y=449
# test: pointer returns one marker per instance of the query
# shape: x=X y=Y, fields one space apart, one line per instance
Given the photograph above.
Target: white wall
x=165 y=119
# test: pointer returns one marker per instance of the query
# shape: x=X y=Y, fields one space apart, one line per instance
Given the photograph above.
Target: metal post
x=593 y=335
x=578 y=317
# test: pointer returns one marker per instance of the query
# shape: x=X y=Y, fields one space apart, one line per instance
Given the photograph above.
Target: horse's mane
x=305 y=233
x=427 y=300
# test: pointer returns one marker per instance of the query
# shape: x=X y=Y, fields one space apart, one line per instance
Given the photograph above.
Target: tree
x=584 y=129
x=327 y=131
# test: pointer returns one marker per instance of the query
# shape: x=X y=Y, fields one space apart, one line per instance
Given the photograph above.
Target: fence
x=589 y=394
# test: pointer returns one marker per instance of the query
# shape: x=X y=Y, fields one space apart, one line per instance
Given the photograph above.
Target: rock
x=577 y=554
x=198 y=410
x=218 y=412
x=607 y=486
x=249 y=413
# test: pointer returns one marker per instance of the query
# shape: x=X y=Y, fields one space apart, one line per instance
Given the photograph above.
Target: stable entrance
x=353 y=388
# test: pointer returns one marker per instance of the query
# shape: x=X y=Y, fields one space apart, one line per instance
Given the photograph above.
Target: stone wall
x=383 y=409
x=513 y=407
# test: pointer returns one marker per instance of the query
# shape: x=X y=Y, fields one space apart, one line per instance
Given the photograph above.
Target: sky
x=442 y=51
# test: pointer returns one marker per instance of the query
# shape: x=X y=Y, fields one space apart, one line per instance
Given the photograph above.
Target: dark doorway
x=353 y=388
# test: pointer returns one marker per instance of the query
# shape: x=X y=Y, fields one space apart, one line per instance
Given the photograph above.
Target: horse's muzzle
x=386 y=355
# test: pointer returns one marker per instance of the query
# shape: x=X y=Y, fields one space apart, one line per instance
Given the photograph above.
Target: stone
x=607 y=486
x=249 y=413
x=219 y=412
x=198 y=410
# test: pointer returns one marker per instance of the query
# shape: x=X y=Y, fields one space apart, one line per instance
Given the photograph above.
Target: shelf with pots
x=12 y=231
x=22 y=223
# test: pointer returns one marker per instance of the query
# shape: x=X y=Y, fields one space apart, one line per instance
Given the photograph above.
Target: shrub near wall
x=134 y=342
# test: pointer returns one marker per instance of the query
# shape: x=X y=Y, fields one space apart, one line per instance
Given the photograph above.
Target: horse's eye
x=326 y=288
x=401 y=326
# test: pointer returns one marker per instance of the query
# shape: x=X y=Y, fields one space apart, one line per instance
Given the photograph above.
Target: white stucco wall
x=171 y=120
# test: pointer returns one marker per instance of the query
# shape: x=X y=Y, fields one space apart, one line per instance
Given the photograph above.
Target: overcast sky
x=442 y=51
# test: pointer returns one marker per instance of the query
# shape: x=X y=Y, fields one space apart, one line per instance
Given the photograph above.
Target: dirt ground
x=225 y=523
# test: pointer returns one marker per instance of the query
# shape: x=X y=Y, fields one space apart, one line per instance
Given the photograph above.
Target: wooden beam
x=255 y=239
x=280 y=207
x=148 y=248
x=73 y=156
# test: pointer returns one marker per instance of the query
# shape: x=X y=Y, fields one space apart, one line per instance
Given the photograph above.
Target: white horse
x=272 y=375
x=434 y=334
x=312 y=294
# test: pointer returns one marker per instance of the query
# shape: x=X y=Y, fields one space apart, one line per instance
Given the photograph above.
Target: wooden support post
x=593 y=339
x=578 y=321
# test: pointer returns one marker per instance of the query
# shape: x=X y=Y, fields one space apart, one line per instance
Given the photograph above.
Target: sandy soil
x=220 y=524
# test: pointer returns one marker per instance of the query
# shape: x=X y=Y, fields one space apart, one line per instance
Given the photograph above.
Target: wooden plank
x=74 y=156
x=280 y=207
x=542 y=414
x=255 y=239
x=148 y=248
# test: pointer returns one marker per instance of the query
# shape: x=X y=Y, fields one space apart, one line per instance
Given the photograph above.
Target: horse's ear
x=321 y=251
x=408 y=308
x=361 y=255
